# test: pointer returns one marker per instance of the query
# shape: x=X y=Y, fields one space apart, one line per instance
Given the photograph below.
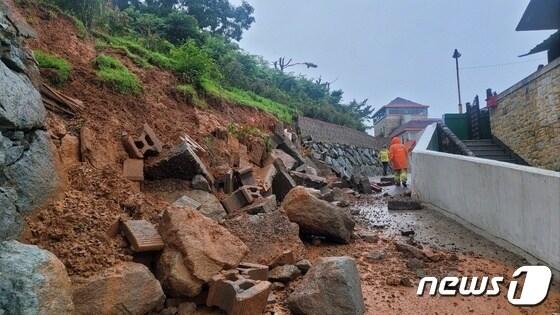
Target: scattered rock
x=205 y=248
x=33 y=281
x=288 y=161
x=199 y=182
x=278 y=286
x=285 y=273
x=187 y=202
x=405 y=281
x=128 y=288
x=286 y=258
x=375 y=255
x=368 y=236
x=332 y=286
x=262 y=205
x=407 y=232
x=393 y=281
x=186 y=308
x=304 y=265
x=309 y=180
x=404 y=204
x=410 y=250
x=415 y=264
x=318 y=217
x=268 y=236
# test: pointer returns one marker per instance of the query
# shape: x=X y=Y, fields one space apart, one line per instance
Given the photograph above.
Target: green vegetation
x=112 y=72
x=194 y=39
x=59 y=65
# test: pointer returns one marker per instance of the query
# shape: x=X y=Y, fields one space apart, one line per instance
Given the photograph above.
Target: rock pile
x=346 y=160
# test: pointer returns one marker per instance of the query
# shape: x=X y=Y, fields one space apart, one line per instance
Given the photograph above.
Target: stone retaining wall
x=527 y=118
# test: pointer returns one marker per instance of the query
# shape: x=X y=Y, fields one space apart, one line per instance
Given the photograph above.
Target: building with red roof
x=398 y=112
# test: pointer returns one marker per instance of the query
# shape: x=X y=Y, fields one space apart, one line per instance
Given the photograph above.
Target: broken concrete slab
x=288 y=161
x=186 y=201
x=229 y=184
x=133 y=169
x=282 y=182
x=262 y=205
x=181 y=162
x=253 y=271
x=257 y=151
x=211 y=207
x=404 y=204
x=309 y=180
x=142 y=236
x=237 y=295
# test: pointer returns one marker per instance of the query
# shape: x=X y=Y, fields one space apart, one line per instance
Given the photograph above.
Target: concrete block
x=131 y=148
x=237 y=295
x=133 y=169
x=142 y=236
x=253 y=271
x=282 y=183
x=309 y=180
x=148 y=143
x=245 y=176
x=229 y=185
x=239 y=199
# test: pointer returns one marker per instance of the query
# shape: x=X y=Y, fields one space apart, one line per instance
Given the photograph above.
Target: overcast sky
x=381 y=49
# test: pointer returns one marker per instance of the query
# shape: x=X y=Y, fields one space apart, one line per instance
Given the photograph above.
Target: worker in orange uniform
x=398 y=155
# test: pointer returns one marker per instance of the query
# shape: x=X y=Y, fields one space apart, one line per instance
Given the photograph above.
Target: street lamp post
x=456 y=56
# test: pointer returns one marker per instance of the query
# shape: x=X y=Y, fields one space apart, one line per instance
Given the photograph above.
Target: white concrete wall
x=518 y=204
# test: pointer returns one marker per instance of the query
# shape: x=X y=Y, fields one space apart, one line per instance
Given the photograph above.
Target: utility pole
x=456 y=56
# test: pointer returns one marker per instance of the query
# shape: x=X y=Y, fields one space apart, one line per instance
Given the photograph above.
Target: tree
x=282 y=65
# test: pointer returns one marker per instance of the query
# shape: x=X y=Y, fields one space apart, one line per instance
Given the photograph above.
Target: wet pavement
x=427 y=226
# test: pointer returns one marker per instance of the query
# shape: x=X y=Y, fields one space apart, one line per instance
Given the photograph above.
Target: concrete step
x=492 y=152
x=502 y=158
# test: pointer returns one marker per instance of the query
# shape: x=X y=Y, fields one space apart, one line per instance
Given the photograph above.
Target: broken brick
x=237 y=295
x=133 y=169
x=253 y=271
x=142 y=235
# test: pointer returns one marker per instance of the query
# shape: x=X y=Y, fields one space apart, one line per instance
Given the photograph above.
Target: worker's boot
x=404 y=184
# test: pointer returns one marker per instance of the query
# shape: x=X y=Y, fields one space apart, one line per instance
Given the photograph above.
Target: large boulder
x=268 y=236
x=318 y=217
x=331 y=287
x=28 y=181
x=27 y=157
x=32 y=281
x=197 y=248
x=127 y=288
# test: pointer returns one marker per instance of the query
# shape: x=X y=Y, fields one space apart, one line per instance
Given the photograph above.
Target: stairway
x=487 y=149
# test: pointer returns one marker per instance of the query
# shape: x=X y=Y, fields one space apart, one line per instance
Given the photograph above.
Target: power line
x=500 y=64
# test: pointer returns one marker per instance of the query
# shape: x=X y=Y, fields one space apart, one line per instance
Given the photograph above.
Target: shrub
x=60 y=66
x=113 y=73
x=85 y=10
x=193 y=64
x=191 y=95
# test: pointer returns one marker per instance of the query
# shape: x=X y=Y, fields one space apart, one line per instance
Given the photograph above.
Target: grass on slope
x=247 y=98
x=59 y=65
x=113 y=73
